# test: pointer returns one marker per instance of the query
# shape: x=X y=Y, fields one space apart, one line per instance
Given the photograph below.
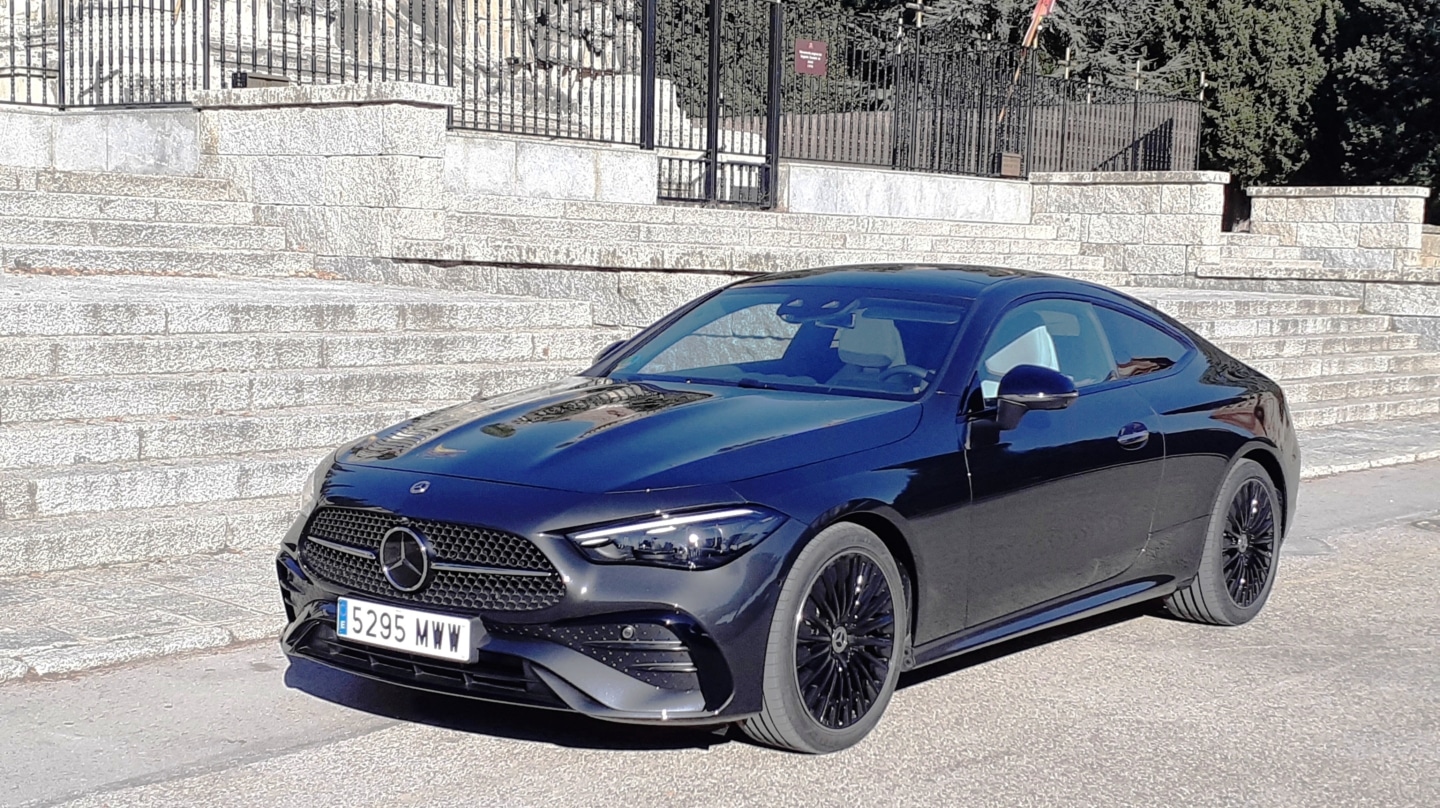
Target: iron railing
x=719 y=86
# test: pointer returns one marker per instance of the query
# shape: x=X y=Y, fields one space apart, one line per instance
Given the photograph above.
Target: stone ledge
x=1340 y=190
x=1130 y=178
x=322 y=95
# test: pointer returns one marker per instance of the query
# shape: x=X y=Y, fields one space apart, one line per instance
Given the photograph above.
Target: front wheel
x=1242 y=551
x=835 y=646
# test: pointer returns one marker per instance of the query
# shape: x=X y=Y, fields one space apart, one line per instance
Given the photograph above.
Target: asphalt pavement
x=1330 y=698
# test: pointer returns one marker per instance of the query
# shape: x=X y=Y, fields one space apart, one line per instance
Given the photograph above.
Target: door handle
x=1133 y=436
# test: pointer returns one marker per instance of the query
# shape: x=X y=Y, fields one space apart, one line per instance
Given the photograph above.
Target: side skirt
x=1078 y=607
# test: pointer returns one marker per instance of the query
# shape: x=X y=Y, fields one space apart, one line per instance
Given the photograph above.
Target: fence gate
x=716 y=100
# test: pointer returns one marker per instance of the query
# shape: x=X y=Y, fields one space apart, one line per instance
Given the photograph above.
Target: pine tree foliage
x=1385 y=95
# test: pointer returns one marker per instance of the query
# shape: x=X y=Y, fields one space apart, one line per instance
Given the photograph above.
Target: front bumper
x=625 y=643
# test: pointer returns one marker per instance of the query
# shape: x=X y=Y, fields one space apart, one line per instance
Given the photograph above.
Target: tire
x=797 y=650
x=1241 y=555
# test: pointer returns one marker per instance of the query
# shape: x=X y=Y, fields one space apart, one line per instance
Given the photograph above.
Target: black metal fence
x=721 y=87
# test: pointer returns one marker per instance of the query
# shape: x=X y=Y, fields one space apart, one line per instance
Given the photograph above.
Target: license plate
x=436 y=635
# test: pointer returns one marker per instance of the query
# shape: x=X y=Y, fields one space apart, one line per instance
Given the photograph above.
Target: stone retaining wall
x=1160 y=223
x=1351 y=228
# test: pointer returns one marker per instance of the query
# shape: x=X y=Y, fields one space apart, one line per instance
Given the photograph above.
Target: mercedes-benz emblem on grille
x=420 y=487
x=405 y=558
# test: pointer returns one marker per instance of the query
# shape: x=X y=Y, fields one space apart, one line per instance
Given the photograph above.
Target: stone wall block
x=1315 y=233
x=479 y=166
x=1156 y=259
x=411 y=130
x=285 y=180
x=1421 y=300
x=1068 y=226
x=1388 y=236
x=554 y=171
x=322 y=131
x=1117 y=229
x=153 y=142
x=1208 y=199
x=1121 y=199
x=1181 y=229
x=382 y=181
x=1349 y=257
x=1410 y=211
x=626 y=175
x=80 y=143
x=28 y=137
x=415 y=223
x=1364 y=209
x=1176 y=198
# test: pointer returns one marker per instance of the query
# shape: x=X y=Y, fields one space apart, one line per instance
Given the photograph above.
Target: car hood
x=599 y=436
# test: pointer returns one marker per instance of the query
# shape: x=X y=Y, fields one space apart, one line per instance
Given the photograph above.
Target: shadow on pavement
x=576 y=731
x=1039 y=638
x=487 y=718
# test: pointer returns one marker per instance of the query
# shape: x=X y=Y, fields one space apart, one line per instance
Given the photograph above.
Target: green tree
x=1382 y=121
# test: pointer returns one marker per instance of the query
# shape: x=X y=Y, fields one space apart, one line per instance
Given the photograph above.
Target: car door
x=1065 y=499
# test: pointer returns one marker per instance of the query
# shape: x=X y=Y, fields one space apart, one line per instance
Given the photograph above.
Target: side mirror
x=1031 y=387
x=609 y=349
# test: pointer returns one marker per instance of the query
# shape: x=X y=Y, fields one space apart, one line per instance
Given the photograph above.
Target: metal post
x=60 y=56
x=1135 y=122
x=712 y=106
x=1026 y=161
x=205 y=38
x=647 y=76
x=772 y=103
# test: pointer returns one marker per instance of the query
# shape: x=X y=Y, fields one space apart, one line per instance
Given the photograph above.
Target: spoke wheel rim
x=845 y=640
x=1247 y=554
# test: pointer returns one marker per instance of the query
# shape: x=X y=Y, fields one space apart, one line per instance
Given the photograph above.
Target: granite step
x=162 y=261
x=35 y=306
x=45 y=357
x=119 y=396
x=101 y=207
x=111 y=183
x=1315 y=271
x=1369 y=409
x=58 y=492
x=1253 y=349
x=131 y=439
x=1356 y=364
x=103 y=233
x=1370 y=387
x=140 y=534
x=1197 y=305
x=1298 y=325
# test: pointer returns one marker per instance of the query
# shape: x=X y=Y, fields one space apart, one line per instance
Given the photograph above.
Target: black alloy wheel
x=1249 y=549
x=836 y=644
x=845 y=641
x=1241 y=554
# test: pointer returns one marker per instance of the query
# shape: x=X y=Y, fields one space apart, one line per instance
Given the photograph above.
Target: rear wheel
x=835 y=646
x=1242 y=551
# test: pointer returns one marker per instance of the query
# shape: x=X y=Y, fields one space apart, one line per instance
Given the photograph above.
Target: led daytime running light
x=597 y=538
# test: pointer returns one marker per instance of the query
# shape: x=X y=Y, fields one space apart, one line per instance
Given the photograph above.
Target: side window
x=1061 y=335
x=1139 y=347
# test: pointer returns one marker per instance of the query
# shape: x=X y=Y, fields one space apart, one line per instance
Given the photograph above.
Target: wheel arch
x=1266 y=456
x=895 y=540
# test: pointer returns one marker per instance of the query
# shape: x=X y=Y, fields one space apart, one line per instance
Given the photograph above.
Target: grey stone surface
x=307 y=95
x=158 y=141
x=29 y=136
x=1427 y=329
x=859 y=191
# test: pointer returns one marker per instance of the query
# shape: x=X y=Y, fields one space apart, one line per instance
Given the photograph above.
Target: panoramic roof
x=946 y=279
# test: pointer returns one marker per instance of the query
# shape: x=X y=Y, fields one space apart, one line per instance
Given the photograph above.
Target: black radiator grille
x=458 y=590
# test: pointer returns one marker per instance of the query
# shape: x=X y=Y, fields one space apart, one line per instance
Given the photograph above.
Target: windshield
x=807 y=338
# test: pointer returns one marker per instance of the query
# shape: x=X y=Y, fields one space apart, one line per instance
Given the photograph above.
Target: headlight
x=310 y=492
x=693 y=541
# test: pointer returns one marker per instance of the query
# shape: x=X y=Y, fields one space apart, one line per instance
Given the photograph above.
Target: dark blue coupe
x=766 y=506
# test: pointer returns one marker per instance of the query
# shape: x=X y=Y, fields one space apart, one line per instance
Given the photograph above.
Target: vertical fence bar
x=712 y=103
x=647 y=74
x=61 y=45
x=769 y=182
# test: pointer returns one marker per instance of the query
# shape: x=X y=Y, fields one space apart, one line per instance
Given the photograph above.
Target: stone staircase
x=542 y=232
x=146 y=417
x=76 y=222
x=1337 y=365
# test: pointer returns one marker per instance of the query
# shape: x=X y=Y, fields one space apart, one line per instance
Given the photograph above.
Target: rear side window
x=1139 y=347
